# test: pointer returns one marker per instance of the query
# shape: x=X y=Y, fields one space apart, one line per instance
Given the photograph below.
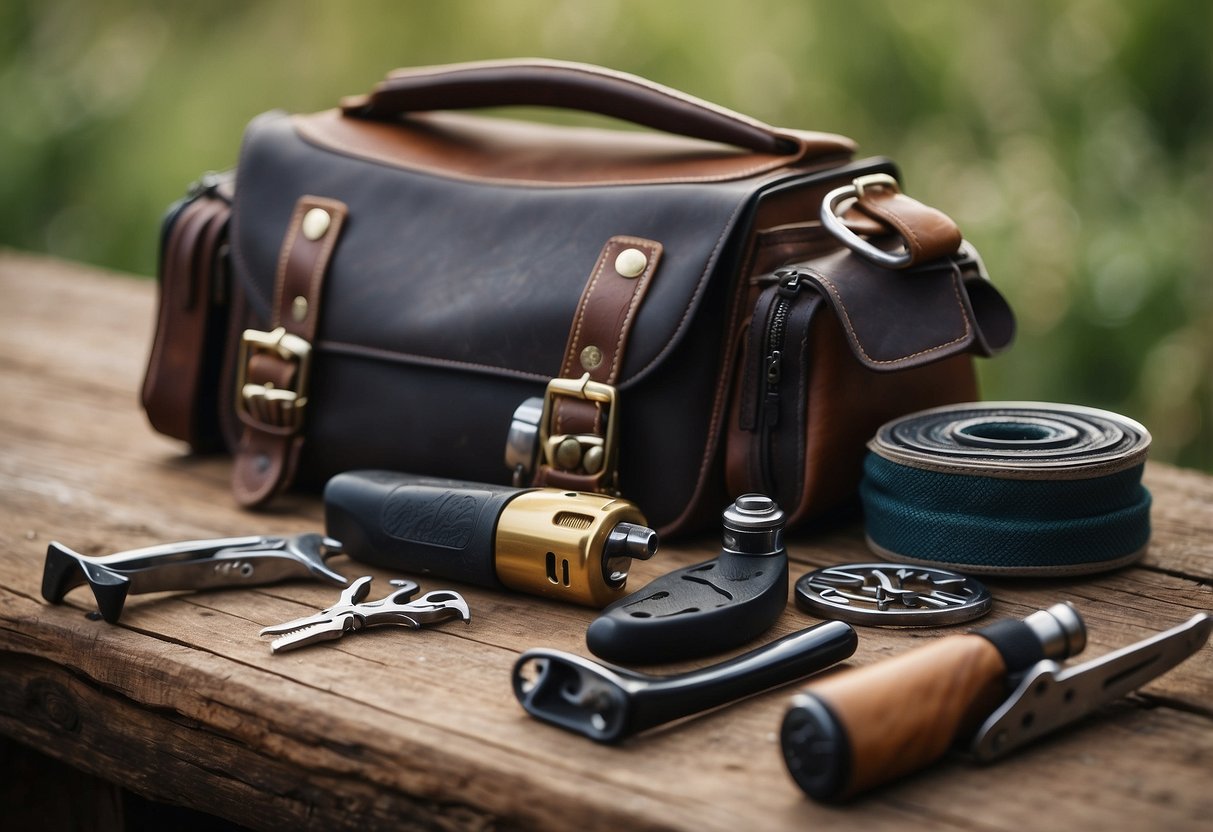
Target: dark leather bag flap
x=480 y=275
x=896 y=319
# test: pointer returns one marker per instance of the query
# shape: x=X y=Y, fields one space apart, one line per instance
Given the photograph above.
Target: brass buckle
x=581 y=453
x=264 y=405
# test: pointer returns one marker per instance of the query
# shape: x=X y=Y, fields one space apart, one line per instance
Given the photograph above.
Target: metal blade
x=1049 y=696
x=297 y=624
x=330 y=630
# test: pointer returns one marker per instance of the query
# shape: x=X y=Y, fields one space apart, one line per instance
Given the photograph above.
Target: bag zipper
x=789 y=282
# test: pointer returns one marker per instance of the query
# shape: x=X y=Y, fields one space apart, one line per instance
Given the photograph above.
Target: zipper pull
x=774 y=367
x=770 y=404
x=789 y=282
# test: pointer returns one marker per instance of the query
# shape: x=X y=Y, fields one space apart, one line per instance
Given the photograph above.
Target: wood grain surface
x=182 y=702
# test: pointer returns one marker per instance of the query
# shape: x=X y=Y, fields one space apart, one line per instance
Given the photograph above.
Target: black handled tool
x=856 y=730
x=709 y=607
x=559 y=544
x=608 y=704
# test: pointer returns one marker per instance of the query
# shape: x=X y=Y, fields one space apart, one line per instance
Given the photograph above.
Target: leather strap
x=268 y=453
x=572 y=86
x=598 y=342
x=928 y=233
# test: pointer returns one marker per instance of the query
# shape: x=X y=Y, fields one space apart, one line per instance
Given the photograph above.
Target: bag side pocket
x=182 y=380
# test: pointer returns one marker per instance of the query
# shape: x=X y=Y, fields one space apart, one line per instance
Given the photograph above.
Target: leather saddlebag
x=709 y=307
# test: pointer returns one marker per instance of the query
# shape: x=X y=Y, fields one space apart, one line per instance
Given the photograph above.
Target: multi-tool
x=992 y=690
x=190 y=564
x=352 y=612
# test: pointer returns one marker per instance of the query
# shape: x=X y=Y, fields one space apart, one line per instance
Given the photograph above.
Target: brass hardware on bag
x=591 y=357
x=595 y=452
x=591 y=460
x=568 y=454
x=631 y=262
x=299 y=308
x=273 y=408
x=873 y=180
x=316 y=223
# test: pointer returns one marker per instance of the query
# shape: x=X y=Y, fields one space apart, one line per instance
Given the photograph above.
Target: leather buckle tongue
x=582 y=454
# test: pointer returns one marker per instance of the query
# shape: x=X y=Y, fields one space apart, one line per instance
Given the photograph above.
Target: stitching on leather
x=395 y=356
x=284 y=257
x=579 y=319
x=654 y=251
x=708 y=268
x=567 y=369
x=338 y=211
x=846 y=318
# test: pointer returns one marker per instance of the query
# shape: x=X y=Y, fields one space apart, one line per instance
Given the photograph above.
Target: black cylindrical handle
x=417 y=525
x=784 y=660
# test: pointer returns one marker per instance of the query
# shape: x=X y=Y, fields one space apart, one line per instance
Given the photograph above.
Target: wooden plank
x=182 y=701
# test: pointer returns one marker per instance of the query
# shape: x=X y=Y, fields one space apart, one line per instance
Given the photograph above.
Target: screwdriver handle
x=849 y=732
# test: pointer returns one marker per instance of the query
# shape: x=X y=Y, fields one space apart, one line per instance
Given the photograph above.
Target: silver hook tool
x=189 y=564
x=352 y=613
x=1049 y=695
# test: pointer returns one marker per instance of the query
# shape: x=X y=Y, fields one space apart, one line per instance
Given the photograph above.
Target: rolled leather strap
x=1011 y=488
x=268 y=453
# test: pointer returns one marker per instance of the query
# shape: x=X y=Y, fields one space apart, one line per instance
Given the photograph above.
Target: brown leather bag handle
x=571 y=86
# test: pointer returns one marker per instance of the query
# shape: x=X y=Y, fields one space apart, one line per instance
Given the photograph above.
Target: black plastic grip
x=417 y=525
x=608 y=704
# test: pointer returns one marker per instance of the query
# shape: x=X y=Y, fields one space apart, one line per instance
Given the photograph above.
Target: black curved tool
x=608 y=704
x=709 y=607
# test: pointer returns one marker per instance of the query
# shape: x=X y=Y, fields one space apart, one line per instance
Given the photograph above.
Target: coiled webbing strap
x=1016 y=488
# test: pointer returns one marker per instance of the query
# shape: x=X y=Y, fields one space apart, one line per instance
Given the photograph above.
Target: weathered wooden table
x=183 y=703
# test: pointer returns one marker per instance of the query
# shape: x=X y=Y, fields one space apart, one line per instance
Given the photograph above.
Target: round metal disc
x=892 y=595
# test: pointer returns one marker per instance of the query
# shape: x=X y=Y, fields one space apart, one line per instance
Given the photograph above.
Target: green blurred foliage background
x=1072 y=141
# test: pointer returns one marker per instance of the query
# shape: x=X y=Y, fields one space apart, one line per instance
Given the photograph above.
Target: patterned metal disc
x=892 y=595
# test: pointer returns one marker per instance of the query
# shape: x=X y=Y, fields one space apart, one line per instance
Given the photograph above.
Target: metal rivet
x=299 y=309
x=591 y=357
x=631 y=262
x=568 y=454
x=316 y=223
x=592 y=463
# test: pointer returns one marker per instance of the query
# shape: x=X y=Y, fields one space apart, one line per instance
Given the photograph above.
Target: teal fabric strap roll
x=1015 y=488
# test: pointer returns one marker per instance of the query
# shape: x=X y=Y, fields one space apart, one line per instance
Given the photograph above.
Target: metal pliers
x=352 y=613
